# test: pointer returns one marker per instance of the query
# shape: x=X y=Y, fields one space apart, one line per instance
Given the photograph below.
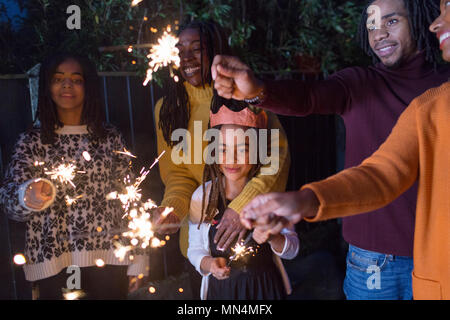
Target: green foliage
x=269 y=35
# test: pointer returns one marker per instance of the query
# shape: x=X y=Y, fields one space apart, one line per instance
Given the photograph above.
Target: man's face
x=391 y=38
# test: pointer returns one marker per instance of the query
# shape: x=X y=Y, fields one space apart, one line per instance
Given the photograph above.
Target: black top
x=253 y=276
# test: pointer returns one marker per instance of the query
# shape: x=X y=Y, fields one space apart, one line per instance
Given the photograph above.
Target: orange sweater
x=418 y=148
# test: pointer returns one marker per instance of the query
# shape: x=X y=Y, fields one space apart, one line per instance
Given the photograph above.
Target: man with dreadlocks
x=183 y=104
x=370 y=100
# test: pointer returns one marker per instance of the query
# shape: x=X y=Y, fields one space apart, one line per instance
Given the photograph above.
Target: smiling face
x=391 y=41
x=191 y=57
x=441 y=27
x=67 y=87
x=236 y=145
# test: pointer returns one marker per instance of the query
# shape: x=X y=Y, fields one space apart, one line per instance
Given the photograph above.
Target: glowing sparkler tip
x=19 y=259
x=100 y=263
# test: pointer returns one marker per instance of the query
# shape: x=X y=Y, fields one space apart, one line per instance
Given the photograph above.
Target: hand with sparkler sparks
x=39 y=194
x=165 y=221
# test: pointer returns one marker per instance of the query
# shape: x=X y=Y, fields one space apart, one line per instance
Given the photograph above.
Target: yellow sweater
x=181 y=180
x=417 y=149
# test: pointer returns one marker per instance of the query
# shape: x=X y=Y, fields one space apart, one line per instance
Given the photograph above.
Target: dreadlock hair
x=212 y=171
x=175 y=109
x=93 y=111
x=421 y=14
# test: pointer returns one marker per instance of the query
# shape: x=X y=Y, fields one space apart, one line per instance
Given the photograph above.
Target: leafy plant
x=269 y=35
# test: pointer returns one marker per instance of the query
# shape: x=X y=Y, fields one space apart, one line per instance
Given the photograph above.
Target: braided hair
x=175 y=109
x=93 y=111
x=212 y=171
x=421 y=14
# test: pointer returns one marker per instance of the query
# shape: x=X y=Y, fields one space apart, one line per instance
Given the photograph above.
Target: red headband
x=245 y=117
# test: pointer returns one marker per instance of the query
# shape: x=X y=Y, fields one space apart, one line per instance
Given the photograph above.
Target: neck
x=70 y=117
x=234 y=187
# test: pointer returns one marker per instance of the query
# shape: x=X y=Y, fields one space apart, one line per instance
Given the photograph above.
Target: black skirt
x=252 y=277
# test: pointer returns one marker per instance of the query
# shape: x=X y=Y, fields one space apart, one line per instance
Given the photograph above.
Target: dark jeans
x=106 y=283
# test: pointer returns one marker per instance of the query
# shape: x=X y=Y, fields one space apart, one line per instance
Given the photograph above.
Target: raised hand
x=234 y=79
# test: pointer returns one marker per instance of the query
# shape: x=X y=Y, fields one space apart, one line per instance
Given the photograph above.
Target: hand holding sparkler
x=216 y=266
x=38 y=194
x=165 y=220
x=241 y=249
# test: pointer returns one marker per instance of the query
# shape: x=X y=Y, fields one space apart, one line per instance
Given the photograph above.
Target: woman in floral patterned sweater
x=60 y=234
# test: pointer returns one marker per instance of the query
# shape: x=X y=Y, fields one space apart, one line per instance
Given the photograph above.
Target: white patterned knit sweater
x=62 y=235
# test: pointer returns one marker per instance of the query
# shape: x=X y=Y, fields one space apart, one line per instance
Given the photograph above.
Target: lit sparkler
x=163 y=54
x=240 y=249
x=65 y=173
x=19 y=259
x=135 y=2
x=125 y=152
x=140 y=228
x=70 y=201
x=73 y=295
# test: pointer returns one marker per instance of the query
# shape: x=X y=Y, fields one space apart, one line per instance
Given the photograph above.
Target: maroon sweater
x=370 y=101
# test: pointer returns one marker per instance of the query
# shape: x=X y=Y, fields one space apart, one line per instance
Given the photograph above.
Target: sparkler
x=19 y=259
x=125 y=152
x=73 y=295
x=240 y=249
x=65 y=173
x=70 y=201
x=135 y=2
x=140 y=228
x=163 y=54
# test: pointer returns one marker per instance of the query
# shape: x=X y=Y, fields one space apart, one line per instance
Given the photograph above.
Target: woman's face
x=67 y=86
x=441 y=26
x=191 y=57
x=235 y=152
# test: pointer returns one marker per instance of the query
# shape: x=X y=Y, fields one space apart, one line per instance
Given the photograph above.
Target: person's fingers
x=242 y=234
x=217 y=60
x=228 y=241
x=224 y=92
x=46 y=189
x=278 y=227
x=220 y=230
x=230 y=72
x=223 y=239
x=224 y=83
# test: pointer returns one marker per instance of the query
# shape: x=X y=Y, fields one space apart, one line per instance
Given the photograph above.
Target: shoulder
x=197 y=195
x=112 y=131
x=434 y=97
x=31 y=136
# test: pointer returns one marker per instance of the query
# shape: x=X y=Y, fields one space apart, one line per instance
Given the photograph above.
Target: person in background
x=259 y=276
x=70 y=223
x=184 y=104
x=416 y=150
x=370 y=100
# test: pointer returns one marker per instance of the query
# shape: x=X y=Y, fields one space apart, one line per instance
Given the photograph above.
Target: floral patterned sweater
x=64 y=234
